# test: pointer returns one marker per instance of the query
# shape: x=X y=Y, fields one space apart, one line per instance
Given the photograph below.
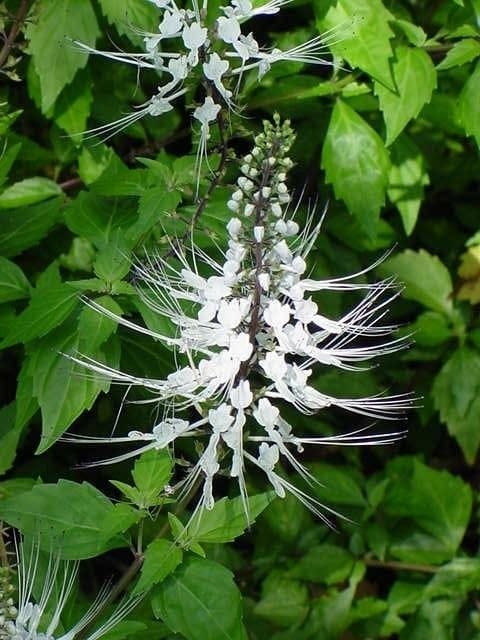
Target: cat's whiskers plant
x=24 y=616
x=251 y=336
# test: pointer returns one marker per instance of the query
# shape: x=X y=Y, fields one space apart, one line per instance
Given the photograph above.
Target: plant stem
x=14 y=31
x=395 y=565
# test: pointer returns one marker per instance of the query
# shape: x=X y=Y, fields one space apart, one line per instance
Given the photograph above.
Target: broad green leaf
x=28 y=191
x=155 y=205
x=458 y=577
x=151 y=472
x=324 y=563
x=94 y=328
x=438 y=502
x=415 y=34
x=113 y=259
x=200 y=601
x=469 y=105
x=361 y=35
x=73 y=106
x=137 y=13
x=456 y=394
x=62 y=390
x=57 y=23
x=47 y=309
x=7 y=158
x=99 y=219
x=462 y=52
x=285 y=519
x=431 y=329
x=415 y=80
x=425 y=277
x=9 y=436
x=434 y=619
x=13 y=283
x=77 y=520
x=161 y=558
x=338 y=485
x=356 y=163
x=25 y=401
x=227 y=520
x=23 y=228
x=408 y=176
x=284 y=601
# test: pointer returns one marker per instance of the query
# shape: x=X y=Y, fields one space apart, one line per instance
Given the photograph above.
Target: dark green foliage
x=391 y=136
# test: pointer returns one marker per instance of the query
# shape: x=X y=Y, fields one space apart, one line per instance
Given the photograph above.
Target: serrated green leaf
x=338 y=485
x=73 y=106
x=13 y=283
x=438 y=502
x=469 y=105
x=226 y=521
x=151 y=472
x=462 y=52
x=155 y=205
x=56 y=25
x=28 y=191
x=456 y=394
x=433 y=289
x=61 y=393
x=415 y=34
x=123 y=15
x=356 y=163
x=113 y=259
x=408 y=176
x=362 y=35
x=77 y=520
x=23 y=228
x=47 y=309
x=431 y=329
x=201 y=601
x=415 y=80
x=94 y=328
x=284 y=601
x=162 y=557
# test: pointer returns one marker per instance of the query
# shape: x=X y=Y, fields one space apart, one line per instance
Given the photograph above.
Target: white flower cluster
x=184 y=43
x=255 y=338
x=27 y=618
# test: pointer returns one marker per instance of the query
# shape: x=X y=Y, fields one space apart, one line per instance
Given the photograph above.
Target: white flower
x=250 y=338
x=38 y=618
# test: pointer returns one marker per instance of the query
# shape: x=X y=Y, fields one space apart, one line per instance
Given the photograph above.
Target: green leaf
x=7 y=158
x=434 y=289
x=56 y=24
x=431 y=329
x=48 y=308
x=23 y=228
x=458 y=577
x=123 y=15
x=155 y=205
x=9 y=436
x=73 y=106
x=63 y=394
x=227 y=520
x=76 y=520
x=13 y=283
x=28 y=191
x=284 y=601
x=435 y=619
x=113 y=259
x=200 y=601
x=151 y=472
x=469 y=105
x=415 y=80
x=94 y=328
x=456 y=394
x=357 y=164
x=436 y=501
x=338 y=485
x=407 y=179
x=325 y=564
x=362 y=35
x=462 y=52
x=162 y=557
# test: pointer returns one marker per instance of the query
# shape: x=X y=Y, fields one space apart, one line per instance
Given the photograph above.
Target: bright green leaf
x=94 y=327
x=356 y=163
x=200 y=601
x=469 y=105
x=456 y=393
x=51 y=33
x=462 y=52
x=415 y=80
x=128 y=13
x=28 y=191
x=13 y=283
x=73 y=106
x=433 y=289
x=162 y=557
x=152 y=471
x=407 y=179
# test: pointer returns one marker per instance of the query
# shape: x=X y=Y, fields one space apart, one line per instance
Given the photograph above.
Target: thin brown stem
x=394 y=565
x=14 y=31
